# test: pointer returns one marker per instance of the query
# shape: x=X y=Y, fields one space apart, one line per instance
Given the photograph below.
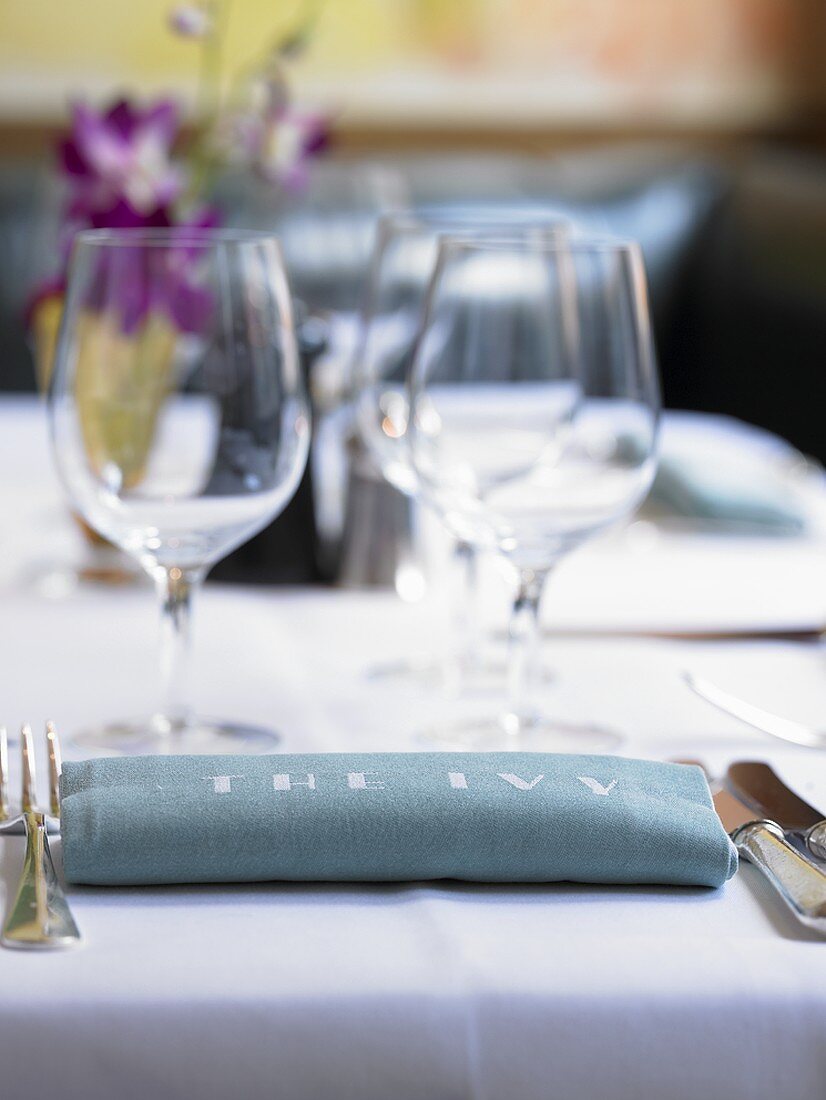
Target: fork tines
x=53 y=743
x=28 y=796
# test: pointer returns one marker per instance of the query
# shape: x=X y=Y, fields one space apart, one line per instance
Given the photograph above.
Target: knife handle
x=801 y=885
x=816 y=840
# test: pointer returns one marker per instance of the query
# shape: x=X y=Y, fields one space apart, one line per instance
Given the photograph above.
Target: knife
x=799 y=883
x=758 y=785
x=763 y=720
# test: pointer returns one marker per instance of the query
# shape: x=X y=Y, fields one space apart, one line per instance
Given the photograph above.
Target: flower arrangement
x=129 y=166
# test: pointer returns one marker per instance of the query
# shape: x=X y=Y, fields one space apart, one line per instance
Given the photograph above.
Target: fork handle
x=40 y=916
x=801 y=885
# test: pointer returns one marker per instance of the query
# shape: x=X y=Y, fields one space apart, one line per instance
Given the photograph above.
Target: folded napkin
x=486 y=817
x=719 y=470
x=702 y=489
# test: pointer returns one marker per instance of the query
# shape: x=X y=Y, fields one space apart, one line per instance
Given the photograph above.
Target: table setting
x=423 y=882
x=399 y=697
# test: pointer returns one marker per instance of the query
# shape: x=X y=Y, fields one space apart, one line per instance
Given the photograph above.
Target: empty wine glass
x=402 y=265
x=327 y=231
x=179 y=426
x=534 y=422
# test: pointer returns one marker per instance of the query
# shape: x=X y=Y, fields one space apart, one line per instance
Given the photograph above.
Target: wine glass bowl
x=178 y=419
x=401 y=268
x=327 y=231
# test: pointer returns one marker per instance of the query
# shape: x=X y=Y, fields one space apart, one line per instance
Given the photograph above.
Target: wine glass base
x=159 y=736
x=542 y=735
x=60 y=581
x=480 y=677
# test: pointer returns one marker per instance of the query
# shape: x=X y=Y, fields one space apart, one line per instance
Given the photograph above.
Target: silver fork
x=39 y=916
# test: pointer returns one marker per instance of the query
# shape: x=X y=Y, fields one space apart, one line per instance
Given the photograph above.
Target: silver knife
x=763 y=720
x=760 y=787
x=799 y=883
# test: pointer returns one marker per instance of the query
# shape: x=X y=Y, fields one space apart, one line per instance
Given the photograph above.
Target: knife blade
x=800 y=884
x=772 y=724
x=758 y=785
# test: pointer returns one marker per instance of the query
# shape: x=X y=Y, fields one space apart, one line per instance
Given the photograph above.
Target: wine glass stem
x=523 y=652
x=175 y=587
x=466 y=608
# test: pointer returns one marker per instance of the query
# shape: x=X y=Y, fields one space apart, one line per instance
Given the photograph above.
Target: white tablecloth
x=404 y=991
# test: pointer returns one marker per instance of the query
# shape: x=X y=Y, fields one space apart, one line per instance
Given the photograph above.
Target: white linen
x=406 y=991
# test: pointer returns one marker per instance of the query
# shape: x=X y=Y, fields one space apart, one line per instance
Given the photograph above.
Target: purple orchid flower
x=118 y=166
x=191 y=20
x=120 y=176
x=137 y=280
x=188 y=301
x=287 y=140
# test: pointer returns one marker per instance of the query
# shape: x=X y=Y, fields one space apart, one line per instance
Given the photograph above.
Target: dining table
x=410 y=990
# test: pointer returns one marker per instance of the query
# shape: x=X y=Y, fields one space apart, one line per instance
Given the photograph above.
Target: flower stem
x=208 y=99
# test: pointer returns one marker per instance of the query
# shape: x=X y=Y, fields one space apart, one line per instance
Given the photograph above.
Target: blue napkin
x=486 y=817
x=719 y=471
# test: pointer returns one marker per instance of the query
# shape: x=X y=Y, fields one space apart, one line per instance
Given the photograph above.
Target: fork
x=39 y=916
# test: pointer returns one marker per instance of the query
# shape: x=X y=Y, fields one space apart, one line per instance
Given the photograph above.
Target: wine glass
x=402 y=264
x=534 y=423
x=327 y=231
x=179 y=427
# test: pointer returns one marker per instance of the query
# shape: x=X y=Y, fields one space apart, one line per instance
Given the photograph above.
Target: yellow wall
x=431 y=58
x=87 y=44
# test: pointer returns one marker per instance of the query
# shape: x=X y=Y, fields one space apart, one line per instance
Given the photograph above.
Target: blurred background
x=699 y=129
x=537 y=75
